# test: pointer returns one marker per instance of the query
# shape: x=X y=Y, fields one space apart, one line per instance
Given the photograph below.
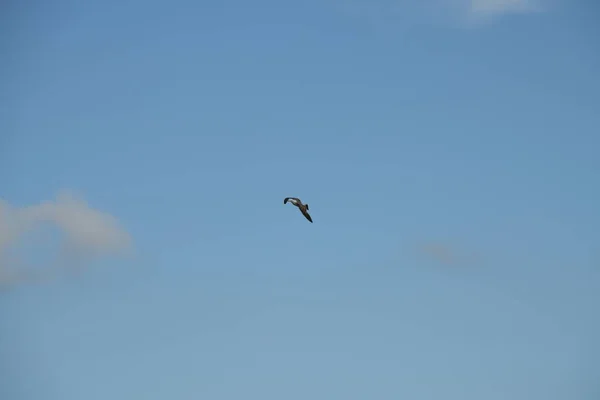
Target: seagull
x=298 y=203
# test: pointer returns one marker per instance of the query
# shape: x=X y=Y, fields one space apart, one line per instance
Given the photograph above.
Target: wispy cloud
x=491 y=7
x=445 y=253
x=86 y=234
x=417 y=12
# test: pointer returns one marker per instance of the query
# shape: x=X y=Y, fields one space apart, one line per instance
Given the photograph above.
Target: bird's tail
x=306 y=206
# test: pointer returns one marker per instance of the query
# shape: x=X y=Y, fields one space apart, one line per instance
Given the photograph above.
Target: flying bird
x=298 y=203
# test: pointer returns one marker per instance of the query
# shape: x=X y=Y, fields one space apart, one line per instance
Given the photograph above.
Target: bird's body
x=298 y=203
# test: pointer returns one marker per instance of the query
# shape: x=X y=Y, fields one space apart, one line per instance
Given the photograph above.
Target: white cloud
x=87 y=233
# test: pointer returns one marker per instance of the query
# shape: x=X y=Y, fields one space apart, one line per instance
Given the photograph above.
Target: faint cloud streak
x=490 y=7
x=379 y=13
x=445 y=254
x=86 y=233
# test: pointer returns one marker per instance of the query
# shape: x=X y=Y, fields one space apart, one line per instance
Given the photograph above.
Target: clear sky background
x=449 y=152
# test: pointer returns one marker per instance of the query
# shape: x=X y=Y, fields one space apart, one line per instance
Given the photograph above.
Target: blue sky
x=448 y=151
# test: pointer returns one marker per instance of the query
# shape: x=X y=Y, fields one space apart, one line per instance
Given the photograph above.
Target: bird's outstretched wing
x=294 y=199
x=306 y=214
